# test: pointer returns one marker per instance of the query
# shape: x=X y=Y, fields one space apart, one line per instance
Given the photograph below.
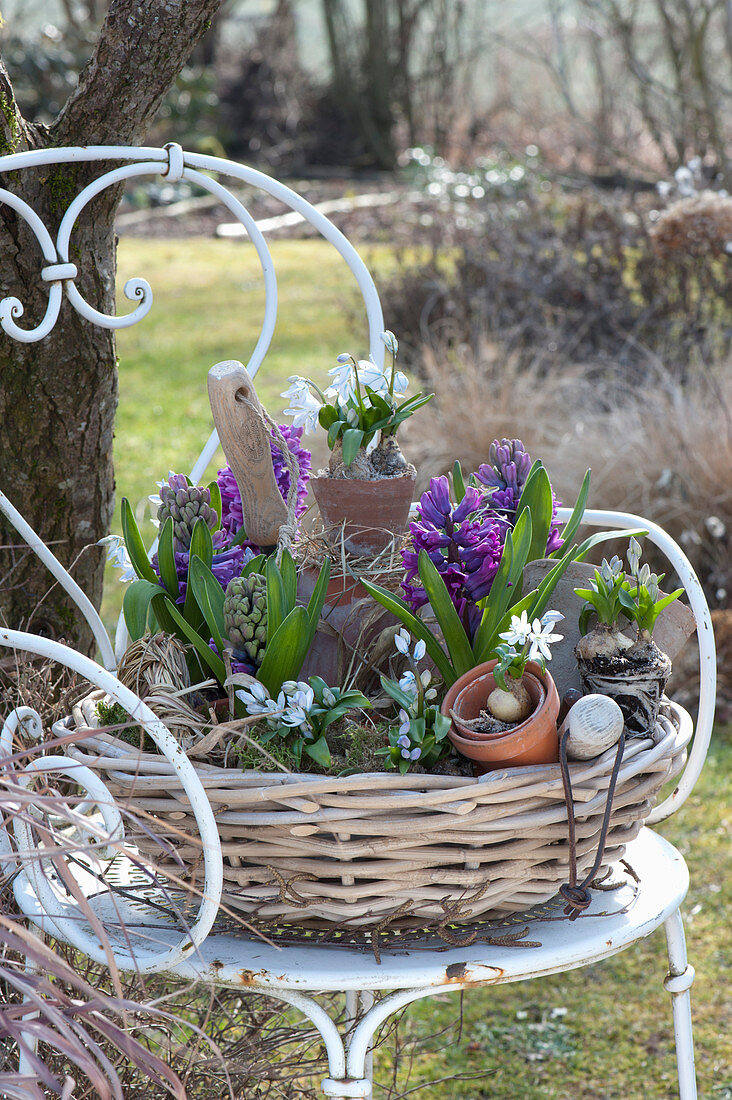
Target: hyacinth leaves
x=150 y=601
x=166 y=560
x=570 y=528
x=290 y=627
x=458 y=481
x=536 y=498
x=135 y=545
x=505 y=598
x=136 y=607
x=147 y=601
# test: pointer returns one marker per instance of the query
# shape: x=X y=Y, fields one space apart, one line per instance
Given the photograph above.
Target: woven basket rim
x=642 y=749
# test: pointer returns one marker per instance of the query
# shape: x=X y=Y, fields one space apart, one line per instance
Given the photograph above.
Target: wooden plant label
x=246 y=443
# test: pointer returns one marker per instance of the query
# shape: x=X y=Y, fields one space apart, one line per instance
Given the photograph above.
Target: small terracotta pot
x=472 y=698
x=369 y=512
x=533 y=741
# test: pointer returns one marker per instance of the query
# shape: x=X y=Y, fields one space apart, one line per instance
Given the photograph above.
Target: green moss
x=11 y=118
x=355 y=747
x=114 y=714
x=249 y=758
x=62 y=187
x=67 y=616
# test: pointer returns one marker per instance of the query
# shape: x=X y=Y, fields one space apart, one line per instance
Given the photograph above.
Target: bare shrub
x=665 y=452
x=563 y=277
x=700 y=225
x=483 y=397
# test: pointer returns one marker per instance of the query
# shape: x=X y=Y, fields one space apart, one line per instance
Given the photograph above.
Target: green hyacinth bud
x=184 y=506
x=245 y=617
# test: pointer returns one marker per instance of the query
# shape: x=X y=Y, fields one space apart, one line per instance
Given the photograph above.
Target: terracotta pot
x=533 y=741
x=471 y=700
x=349 y=613
x=369 y=512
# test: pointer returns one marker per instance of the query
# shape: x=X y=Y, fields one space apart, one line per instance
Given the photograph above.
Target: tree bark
x=58 y=396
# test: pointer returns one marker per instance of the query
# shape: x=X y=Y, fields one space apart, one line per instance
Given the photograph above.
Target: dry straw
x=658 y=446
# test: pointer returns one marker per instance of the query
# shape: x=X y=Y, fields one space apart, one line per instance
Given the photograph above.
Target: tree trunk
x=58 y=396
x=378 y=76
x=57 y=406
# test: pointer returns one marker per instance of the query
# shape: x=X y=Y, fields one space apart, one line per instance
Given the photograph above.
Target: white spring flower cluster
x=538 y=635
x=117 y=555
x=291 y=708
x=348 y=376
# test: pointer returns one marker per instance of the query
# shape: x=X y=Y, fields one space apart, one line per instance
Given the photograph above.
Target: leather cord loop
x=577 y=895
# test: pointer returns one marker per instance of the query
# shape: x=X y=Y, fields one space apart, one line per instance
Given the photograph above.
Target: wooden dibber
x=237 y=415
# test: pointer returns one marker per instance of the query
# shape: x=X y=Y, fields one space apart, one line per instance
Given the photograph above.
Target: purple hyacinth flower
x=434 y=506
x=177 y=481
x=460 y=541
x=479 y=580
x=473 y=501
x=236 y=665
x=226 y=564
x=504 y=475
x=465 y=542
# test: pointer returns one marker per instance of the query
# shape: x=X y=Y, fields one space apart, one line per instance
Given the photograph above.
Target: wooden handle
x=246 y=443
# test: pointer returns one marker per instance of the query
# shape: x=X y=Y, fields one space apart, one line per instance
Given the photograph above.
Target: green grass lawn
x=208 y=306
x=603 y=1033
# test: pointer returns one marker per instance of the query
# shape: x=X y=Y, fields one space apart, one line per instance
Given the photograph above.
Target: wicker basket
x=384 y=849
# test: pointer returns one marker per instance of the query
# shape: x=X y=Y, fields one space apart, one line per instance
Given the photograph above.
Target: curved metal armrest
x=705 y=639
x=213 y=863
x=63 y=577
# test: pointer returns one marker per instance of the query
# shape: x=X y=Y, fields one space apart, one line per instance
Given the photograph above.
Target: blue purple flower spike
x=504 y=475
x=465 y=541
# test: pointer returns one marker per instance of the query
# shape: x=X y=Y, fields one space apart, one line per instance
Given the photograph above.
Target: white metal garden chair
x=296 y=974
